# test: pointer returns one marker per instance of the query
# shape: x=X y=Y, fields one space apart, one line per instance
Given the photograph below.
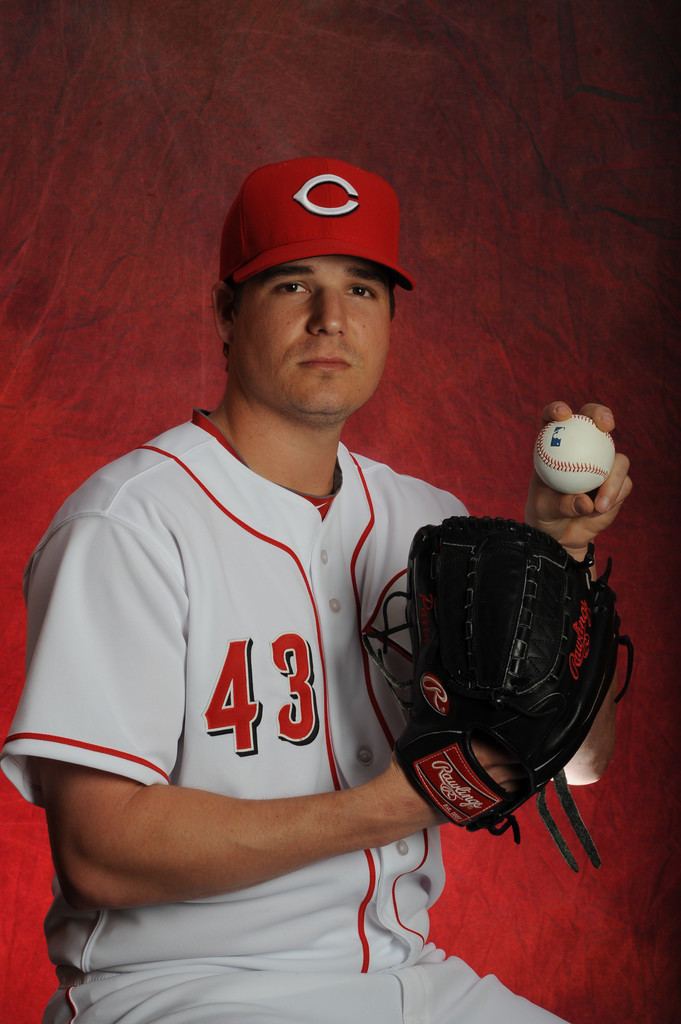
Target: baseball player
x=232 y=838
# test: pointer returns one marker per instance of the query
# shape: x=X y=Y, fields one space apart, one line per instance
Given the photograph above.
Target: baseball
x=573 y=456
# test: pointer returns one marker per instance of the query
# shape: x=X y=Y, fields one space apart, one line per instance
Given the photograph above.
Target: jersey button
x=402 y=847
x=324 y=555
x=364 y=755
x=334 y=604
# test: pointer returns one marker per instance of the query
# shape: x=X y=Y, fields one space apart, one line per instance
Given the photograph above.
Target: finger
x=613 y=507
x=551 y=505
x=582 y=504
x=609 y=504
x=556 y=411
x=498 y=763
x=625 y=491
x=617 y=486
x=602 y=415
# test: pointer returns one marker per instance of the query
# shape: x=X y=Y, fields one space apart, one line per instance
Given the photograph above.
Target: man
x=231 y=837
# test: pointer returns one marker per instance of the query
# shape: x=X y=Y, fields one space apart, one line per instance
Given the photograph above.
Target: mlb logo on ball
x=585 y=458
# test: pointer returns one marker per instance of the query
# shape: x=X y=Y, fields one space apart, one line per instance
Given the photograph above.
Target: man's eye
x=361 y=290
x=290 y=287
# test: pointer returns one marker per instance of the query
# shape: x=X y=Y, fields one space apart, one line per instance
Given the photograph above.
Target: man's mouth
x=326 y=363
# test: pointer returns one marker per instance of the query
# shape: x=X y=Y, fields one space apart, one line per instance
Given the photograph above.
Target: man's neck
x=293 y=455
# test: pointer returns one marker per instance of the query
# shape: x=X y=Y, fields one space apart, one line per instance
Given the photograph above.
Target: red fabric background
x=534 y=148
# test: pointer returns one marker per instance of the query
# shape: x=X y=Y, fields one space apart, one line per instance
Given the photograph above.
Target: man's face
x=309 y=339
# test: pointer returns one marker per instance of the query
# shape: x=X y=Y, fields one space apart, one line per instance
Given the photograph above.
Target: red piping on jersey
x=381 y=719
x=72 y=1006
x=87 y=746
x=366 y=952
x=199 y=419
x=293 y=555
x=403 y=875
x=374 y=703
x=358 y=605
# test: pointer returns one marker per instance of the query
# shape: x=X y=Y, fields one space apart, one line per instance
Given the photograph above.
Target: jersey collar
x=322 y=504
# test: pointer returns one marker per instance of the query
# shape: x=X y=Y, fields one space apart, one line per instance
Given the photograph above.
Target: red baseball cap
x=312 y=206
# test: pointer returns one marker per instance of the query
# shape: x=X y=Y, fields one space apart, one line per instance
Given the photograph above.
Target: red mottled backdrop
x=534 y=147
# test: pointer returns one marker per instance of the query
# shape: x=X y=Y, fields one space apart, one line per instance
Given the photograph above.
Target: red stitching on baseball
x=571 y=467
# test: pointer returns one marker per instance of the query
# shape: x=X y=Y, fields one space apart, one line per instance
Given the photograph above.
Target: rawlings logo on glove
x=434 y=693
x=447 y=779
x=581 y=651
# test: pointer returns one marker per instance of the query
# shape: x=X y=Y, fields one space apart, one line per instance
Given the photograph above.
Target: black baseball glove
x=513 y=643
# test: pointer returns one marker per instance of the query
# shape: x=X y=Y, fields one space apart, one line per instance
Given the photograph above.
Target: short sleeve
x=106 y=653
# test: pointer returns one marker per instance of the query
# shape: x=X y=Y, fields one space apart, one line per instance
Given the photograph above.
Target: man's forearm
x=117 y=843
x=593 y=757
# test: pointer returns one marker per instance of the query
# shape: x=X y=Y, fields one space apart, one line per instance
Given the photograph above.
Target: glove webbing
x=401 y=688
x=574 y=817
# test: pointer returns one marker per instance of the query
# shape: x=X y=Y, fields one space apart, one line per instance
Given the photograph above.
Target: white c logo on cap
x=302 y=194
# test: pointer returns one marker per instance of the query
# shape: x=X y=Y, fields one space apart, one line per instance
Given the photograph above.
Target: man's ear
x=223 y=311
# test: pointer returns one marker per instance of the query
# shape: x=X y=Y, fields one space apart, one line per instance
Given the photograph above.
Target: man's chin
x=323 y=418
x=325 y=410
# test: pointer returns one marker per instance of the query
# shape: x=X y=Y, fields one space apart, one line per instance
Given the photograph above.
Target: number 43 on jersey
x=234 y=707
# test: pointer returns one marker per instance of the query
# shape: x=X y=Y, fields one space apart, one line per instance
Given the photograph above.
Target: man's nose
x=327 y=313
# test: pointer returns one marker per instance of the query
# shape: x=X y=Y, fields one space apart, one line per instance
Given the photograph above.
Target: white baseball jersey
x=194 y=624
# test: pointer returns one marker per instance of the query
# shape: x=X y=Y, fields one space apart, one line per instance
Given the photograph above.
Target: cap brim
x=315 y=247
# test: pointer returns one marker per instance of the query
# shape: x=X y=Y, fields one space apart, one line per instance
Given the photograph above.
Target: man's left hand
x=576 y=519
